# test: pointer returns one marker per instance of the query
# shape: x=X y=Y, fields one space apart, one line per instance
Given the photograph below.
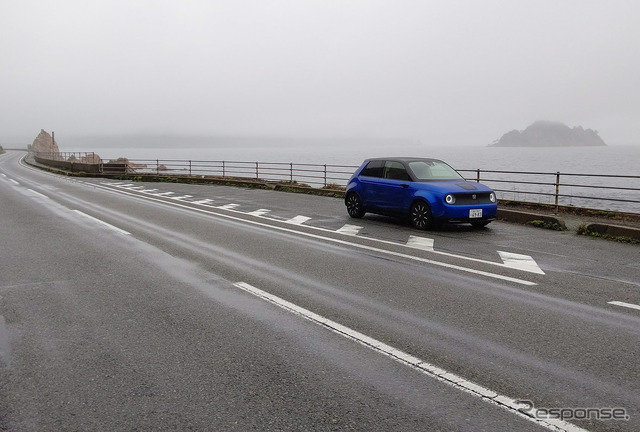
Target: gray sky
x=444 y=72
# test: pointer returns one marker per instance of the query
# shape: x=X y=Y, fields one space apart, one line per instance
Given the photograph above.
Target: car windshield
x=433 y=170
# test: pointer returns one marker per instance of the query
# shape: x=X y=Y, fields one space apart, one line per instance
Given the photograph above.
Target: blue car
x=426 y=191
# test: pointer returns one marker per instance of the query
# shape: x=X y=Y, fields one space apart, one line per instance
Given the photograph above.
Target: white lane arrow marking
x=229 y=206
x=351 y=230
x=298 y=220
x=203 y=201
x=422 y=243
x=520 y=262
x=259 y=212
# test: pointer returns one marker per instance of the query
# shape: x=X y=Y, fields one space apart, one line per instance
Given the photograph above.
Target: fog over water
x=439 y=73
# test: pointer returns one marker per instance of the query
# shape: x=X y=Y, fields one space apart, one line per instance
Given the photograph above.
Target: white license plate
x=475 y=213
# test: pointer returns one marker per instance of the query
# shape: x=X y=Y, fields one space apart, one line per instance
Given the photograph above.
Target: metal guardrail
x=617 y=192
x=556 y=188
x=318 y=175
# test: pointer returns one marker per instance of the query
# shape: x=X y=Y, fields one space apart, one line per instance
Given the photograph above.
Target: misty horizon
x=438 y=73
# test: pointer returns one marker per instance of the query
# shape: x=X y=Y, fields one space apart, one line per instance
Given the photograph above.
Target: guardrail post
x=291 y=172
x=157 y=167
x=478 y=175
x=223 y=170
x=557 y=191
x=257 y=176
x=189 y=168
x=325 y=175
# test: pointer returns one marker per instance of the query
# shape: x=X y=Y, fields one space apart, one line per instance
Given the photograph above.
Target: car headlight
x=492 y=197
x=449 y=199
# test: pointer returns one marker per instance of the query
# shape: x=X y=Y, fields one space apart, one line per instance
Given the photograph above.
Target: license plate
x=475 y=213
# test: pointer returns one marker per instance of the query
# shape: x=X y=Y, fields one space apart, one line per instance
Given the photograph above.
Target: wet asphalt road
x=120 y=309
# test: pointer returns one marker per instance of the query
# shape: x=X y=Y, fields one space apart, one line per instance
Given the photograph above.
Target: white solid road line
x=510 y=260
x=416 y=363
x=623 y=304
x=298 y=220
x=334 y=240
x=259 y=212
x=13 y=181
x=37 y=193
x=114 y=228
x=351 y=230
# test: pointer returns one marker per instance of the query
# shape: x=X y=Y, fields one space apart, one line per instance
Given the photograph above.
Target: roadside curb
x=614 y=230
x=527 y=217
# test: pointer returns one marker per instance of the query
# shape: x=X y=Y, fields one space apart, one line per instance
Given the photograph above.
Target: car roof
x=404 y=159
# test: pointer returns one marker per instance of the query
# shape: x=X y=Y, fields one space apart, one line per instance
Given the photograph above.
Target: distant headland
x=550 y=134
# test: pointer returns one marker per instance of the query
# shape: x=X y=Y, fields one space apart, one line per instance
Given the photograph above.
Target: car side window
x=395 y=171
x=373 y=169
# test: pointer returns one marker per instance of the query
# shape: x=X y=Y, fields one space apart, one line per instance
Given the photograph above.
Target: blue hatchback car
x=423 y=190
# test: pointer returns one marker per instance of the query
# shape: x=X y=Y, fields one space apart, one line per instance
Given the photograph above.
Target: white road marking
x=148 y=191
x=228 y=206
x=114 y=228
x=13 y=181
x=203 y=201
x=298 y=220
x=126 y=185
x=259 y=212
x=515 y=264
x=182 y=197
x=3 y=175
x=38 y=194
x=623 y=304
x=351 y=230
x=422 y=243
x=138 y=188
x=520 y=262
x=343 y=242
x=163 y=194
x=407 y=359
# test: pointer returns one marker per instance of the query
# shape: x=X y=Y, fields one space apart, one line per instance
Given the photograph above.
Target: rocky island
x=550 y=134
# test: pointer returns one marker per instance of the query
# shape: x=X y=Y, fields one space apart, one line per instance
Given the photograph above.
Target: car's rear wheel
x=420 y=215
x=355 y=208
x=480 y=224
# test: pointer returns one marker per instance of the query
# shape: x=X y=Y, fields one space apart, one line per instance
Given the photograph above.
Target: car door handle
x=404 y=185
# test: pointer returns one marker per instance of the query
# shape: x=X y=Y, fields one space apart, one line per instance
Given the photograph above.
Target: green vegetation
x=601 y=213
x=293 y=183
x=585 y=231
x=546 y=225
x=334 y=186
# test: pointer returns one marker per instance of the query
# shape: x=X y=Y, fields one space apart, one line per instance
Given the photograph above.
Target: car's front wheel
x=420 y=215
x=355 y=208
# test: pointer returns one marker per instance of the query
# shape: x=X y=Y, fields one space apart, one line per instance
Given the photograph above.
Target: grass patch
x=334 y=186
x=546 y=225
